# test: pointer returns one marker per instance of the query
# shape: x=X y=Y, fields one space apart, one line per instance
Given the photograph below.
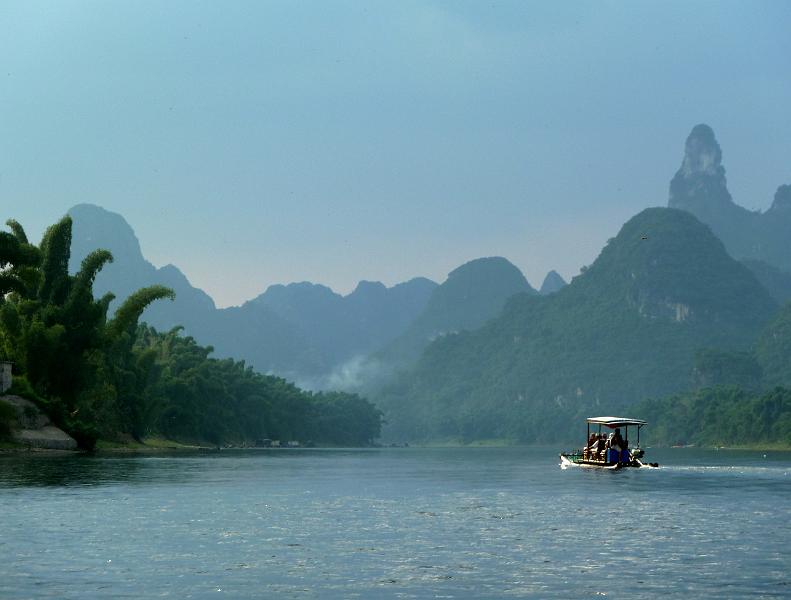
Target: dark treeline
x=720 y=416
x=111 y=378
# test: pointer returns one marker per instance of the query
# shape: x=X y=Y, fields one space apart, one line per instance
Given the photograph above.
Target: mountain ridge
x=276 y=331
x=623 y=330
x=472 y=294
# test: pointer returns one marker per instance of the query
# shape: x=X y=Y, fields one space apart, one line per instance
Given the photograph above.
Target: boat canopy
x=613 y=422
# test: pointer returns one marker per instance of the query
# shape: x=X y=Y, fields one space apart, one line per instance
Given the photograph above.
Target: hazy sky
x=252 y=143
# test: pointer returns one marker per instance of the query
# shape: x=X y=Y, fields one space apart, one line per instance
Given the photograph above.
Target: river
x=394 y=523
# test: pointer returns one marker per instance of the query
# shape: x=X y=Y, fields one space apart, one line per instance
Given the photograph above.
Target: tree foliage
x=189 y=396
x=720 y=416
x=110 y=378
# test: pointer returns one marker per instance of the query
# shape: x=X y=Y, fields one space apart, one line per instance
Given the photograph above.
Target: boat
x=605 y=457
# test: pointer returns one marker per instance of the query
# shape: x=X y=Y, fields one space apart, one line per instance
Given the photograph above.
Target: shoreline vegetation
x=162 y=446
x=104 y=379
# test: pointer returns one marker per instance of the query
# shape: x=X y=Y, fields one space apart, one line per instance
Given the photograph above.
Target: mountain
x=743 y=398
x=334 y=328
x=776 y=281
x=625 y=329
x=773 y=350
x=700 y=187
x=553 y=282
x=94 y=227
x=471 y=295
x=301 y=331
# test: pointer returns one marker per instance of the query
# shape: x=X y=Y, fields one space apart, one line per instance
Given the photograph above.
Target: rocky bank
x=32 y=428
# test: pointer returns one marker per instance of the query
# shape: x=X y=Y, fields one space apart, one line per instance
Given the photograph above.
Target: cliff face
x=700 y=187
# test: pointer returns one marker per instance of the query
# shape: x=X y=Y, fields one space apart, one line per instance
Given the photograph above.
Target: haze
x=253 y=143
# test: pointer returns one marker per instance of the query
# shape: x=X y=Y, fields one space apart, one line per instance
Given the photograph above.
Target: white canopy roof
x=612 y=422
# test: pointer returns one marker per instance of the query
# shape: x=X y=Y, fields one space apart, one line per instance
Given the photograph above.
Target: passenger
x=616 y=441
x=589 y=446
x=628 y=452
x=597 y=450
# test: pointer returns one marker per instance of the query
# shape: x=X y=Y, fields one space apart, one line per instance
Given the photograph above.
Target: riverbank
x=149 y=446
x=158 y=445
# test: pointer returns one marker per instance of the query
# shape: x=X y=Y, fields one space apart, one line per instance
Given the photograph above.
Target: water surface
x=394 y=523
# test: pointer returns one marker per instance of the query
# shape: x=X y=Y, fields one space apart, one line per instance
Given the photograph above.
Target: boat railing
x=606 y=456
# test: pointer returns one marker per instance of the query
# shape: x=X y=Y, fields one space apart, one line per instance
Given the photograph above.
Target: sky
x=253 y=143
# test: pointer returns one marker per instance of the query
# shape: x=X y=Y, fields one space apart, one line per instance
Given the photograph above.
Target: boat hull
x=566 y=462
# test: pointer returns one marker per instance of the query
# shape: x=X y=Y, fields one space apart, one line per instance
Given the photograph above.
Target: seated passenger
x=589 y=445
x=597 y=450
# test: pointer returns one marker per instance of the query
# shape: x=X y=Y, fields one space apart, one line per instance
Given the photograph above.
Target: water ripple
x=413 y=523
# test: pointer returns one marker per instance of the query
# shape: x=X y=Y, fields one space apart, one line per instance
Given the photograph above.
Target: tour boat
x=609 y=458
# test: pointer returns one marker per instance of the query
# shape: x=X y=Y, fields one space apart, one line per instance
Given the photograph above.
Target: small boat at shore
x=600 y=455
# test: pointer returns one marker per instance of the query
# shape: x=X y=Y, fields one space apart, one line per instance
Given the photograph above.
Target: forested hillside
x=626 y=329
x=720 y=416
x=471 y=295
x=741 y=398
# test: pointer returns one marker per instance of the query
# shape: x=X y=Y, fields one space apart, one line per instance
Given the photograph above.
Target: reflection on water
x=400 y=523
x=84 y=470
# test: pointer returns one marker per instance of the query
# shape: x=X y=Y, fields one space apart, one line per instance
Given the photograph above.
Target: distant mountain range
x=325 y=328
x=301 y=331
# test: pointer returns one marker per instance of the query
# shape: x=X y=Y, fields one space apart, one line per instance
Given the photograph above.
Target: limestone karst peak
x=699 y=186
x=702 y=153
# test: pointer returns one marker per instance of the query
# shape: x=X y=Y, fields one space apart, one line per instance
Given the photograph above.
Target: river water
x=394 y=523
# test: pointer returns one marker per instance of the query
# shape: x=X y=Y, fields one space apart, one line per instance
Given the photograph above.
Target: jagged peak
x=96 y=227
x=552 y=283
x=699 y=186
x=702 y=153
x=782 y=201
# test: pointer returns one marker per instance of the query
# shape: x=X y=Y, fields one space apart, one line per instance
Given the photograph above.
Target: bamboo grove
x=106 y=376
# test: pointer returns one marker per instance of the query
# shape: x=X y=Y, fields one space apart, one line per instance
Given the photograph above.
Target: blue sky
x=252 y=143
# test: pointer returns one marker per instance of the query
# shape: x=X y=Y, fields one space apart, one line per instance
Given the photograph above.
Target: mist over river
x=394 y=523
